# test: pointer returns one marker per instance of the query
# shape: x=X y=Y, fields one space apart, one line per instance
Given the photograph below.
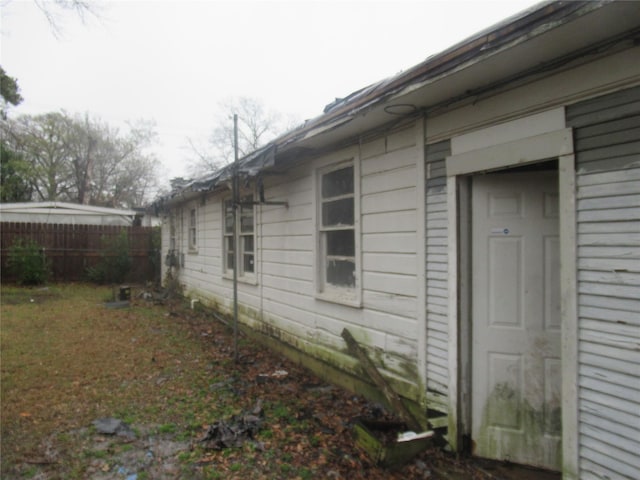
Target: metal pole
x=235 y=201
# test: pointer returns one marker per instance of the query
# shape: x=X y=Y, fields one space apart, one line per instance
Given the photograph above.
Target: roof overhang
x=545 y=38
x=523 y=47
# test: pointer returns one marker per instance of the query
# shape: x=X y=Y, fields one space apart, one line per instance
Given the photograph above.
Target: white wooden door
x=516 y=371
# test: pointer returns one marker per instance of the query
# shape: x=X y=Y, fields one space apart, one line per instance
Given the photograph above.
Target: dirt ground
x=190 y=387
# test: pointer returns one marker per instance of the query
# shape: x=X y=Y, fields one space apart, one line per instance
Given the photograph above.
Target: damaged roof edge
x=450 y=59
x=342 y=111
x=250 y=165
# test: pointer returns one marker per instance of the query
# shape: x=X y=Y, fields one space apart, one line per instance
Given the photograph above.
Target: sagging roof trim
x=488 y=42
x=506 y=34
x=249 y=166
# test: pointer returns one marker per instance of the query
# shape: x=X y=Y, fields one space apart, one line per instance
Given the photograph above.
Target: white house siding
x=286 y=243
x=386 y=323
x=282 y=301
x=389 y=212
x=196 y=265
x=608 y=249
x=436 y=271
x=607 y=143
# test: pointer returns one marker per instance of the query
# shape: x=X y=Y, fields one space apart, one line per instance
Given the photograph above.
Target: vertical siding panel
x=607 y=171
x=436 y=266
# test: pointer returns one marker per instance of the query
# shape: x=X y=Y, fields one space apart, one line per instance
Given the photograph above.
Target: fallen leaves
x=151 y=368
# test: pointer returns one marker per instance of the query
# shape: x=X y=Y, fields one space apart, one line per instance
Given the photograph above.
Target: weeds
x=167 y=428
x=28 y=263
x=67 y=360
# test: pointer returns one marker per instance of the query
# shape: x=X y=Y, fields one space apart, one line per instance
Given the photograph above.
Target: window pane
x=228 y=216
x=341 y=243
x=338 y=212
x=229 y=251
x=341 y=273
x=247 y=243
x=248 y=263
x=246 y=215
x=228 y=223
x=338 y=182
x=246 y=223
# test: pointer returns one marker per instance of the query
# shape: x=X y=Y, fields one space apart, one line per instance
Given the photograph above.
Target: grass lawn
x=167 y=371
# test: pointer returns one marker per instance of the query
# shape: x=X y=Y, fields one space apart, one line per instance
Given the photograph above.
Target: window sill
x=347 y=299
x=192 y=251
x=246 y=279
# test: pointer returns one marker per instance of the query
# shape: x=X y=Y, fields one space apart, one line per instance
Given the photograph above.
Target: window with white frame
x=246 y=236
x=193 y=237
x=337 y=229
x=172 y=232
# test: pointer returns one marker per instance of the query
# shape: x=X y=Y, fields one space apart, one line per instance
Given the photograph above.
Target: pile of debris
x=235 y=431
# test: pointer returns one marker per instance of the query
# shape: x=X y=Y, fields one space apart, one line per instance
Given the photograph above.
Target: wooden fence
x=72 y=249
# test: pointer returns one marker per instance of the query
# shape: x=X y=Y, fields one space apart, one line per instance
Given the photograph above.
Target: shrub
x=115 y=262
x=28 y=263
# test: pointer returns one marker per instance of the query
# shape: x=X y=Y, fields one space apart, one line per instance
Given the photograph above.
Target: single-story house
x=474 y=222
x=73 y=214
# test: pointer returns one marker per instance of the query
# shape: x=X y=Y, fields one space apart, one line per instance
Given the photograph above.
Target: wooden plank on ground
x=392 y=397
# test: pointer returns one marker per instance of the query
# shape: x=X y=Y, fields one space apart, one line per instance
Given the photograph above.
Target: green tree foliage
x=14 y=171
x=9 y=91
x=13 y=168
x=28 y=263
x=83 y=159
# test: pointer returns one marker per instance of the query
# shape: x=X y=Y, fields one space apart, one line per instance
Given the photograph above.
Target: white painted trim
x=519 y=152
x=421 y=254
x=464 y=303
x=558 y=144
x=453 y=337
x=351 y=297
x=193 y=243
x=522 y=127
x=568 y=315
x=248 y=278
x=605 y=75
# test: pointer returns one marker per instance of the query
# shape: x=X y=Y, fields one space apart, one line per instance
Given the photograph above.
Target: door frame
x=556 y=144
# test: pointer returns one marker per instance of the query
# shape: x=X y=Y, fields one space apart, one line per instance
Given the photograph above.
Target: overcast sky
x=174 y=61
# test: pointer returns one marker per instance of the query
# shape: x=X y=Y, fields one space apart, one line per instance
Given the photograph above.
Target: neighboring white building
x=474 y=222
x=69 y=213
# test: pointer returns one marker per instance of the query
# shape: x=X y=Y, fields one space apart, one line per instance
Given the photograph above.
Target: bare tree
x=84 y=160
x=53 y=10
x=257 y=125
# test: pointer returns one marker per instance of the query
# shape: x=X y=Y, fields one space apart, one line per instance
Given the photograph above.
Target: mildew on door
x=516 y=370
